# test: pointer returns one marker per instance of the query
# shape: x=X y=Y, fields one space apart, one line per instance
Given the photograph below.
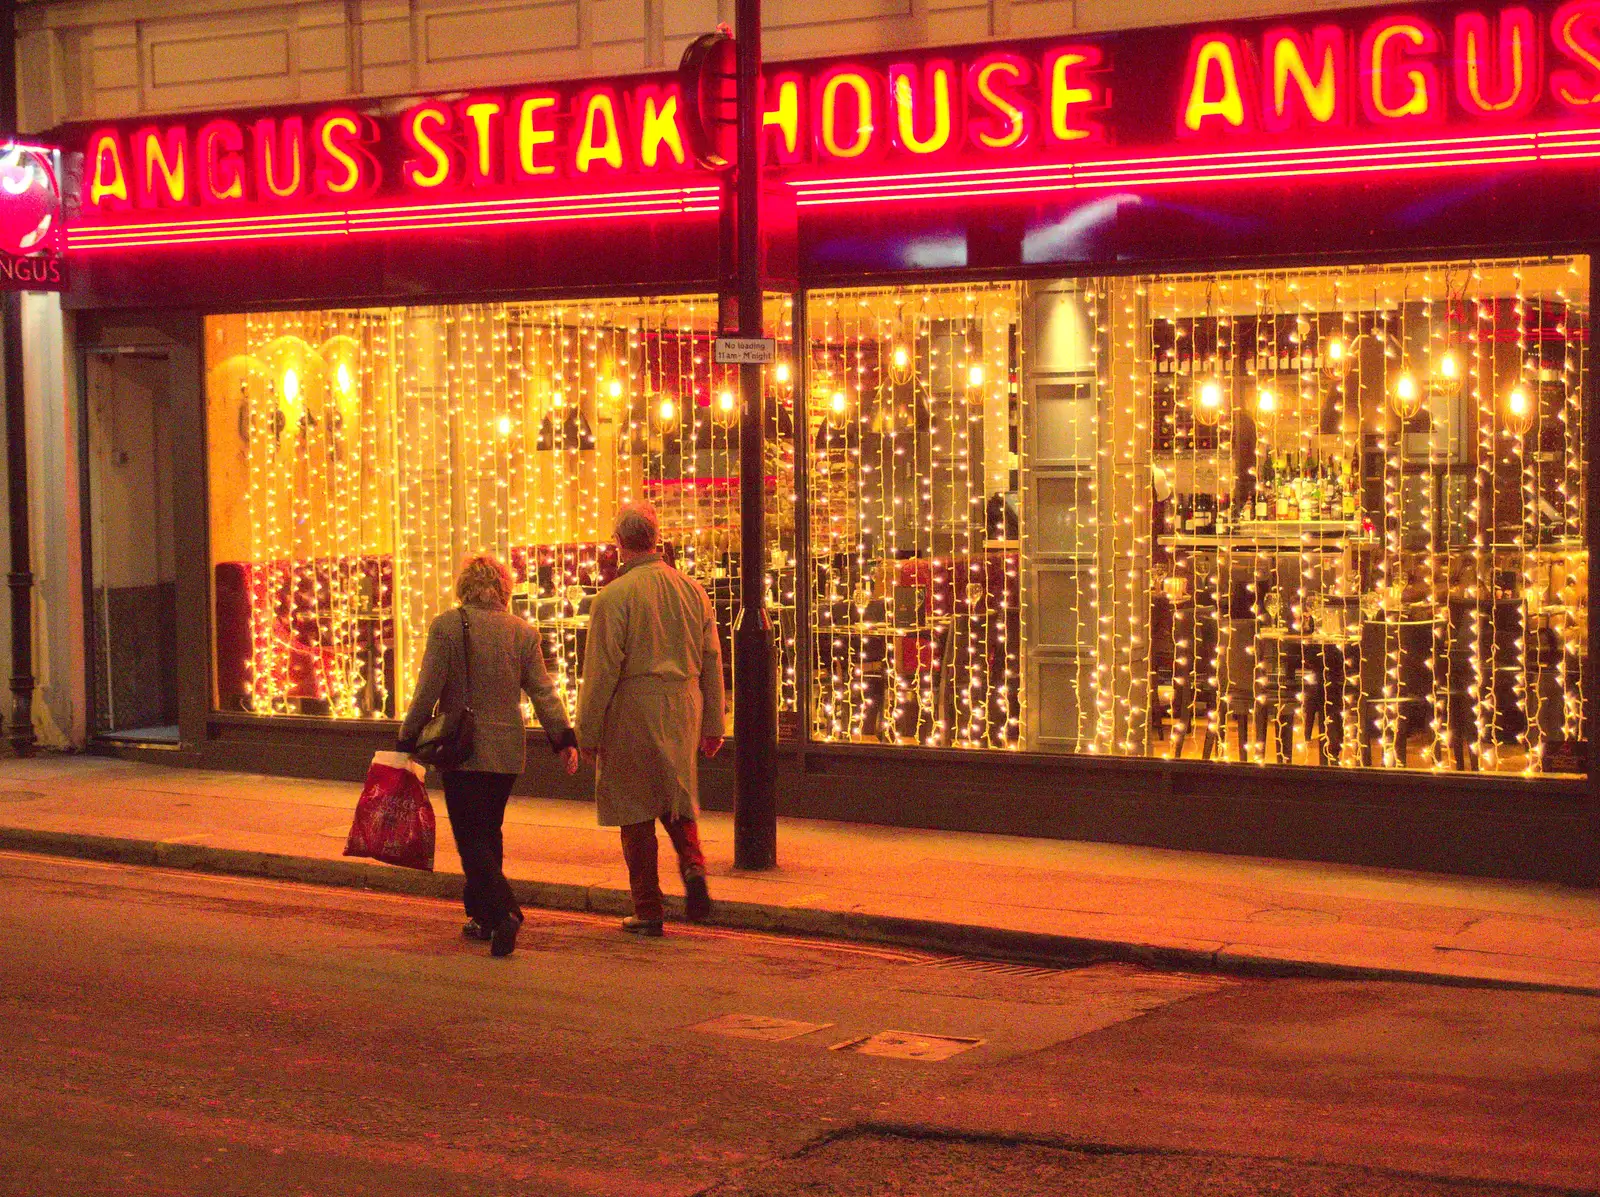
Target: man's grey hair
x=637 y=526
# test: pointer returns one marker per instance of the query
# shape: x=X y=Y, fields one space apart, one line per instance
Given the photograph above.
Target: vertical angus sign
x=33 y=228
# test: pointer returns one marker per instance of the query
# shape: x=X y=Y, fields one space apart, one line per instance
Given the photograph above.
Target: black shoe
x=696 y=898
x=504 y=941
x=638 y=926
x=476 y=930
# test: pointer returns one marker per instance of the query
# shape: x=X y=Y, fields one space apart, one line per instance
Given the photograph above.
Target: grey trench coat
x=506 y=664
x=652 y=688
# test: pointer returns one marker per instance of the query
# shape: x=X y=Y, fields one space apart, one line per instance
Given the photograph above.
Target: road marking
x=759 y=1027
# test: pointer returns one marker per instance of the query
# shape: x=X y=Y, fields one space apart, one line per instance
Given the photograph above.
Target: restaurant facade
x=1177 y=436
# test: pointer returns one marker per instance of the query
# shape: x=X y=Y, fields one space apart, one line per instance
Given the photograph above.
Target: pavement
x=982 y=895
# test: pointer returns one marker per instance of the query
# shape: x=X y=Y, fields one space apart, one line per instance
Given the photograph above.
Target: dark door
x=132 y=610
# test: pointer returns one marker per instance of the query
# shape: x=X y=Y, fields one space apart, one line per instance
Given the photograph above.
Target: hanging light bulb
x=780 y=373
x=975 y=376
x=1448 y=367
x=1335 y=350
x=1266 y=406
x=614 y=389
x=1407 y=398
x=725 y=401
x=902 y=359
x=503 y=425
x=1208 y=402
x=838 y=404
x=668 y=411
x=1519 y=411
x=291 y=386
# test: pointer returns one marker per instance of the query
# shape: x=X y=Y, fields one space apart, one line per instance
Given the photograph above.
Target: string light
x=380 y=444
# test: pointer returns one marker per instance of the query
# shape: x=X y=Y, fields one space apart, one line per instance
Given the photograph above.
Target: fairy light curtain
x=1367 y=543
x=356 y=456
x=912 y=517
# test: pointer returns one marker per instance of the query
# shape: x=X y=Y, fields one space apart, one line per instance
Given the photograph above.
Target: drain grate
x=908 y=1045
x=996 y=968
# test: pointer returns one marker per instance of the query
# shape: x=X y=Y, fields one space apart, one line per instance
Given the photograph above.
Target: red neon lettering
x=780 y=123
x=849 y=106
x=998 y=118
x=1396 y=50
x=1575 y=29
x=599 y=132
x=480 y=117
x=108 y=181
x=1070 y=88
x=220 y=146
x=655 y=116
x=531 y=135
x=344 y=167
x=280 y=158
x=910 y=100
x=1213 y=96
x=431 y=162
x=162 y=177
x=1504 y=83
x=1304 y=84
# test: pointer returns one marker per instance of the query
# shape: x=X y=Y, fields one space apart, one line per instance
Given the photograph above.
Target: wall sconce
x=297 y=378
x=342 y=355
x=240 y=379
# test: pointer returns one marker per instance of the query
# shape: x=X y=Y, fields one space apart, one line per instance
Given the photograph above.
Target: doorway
x=133 y=634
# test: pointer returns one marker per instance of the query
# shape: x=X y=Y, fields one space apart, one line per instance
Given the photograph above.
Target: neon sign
x=1024 y=117
x=33 y=235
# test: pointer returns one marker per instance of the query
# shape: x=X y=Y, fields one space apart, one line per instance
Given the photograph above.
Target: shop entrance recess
x=133 y=636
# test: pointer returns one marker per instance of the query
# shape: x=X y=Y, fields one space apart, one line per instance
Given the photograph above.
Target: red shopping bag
x=394 y=819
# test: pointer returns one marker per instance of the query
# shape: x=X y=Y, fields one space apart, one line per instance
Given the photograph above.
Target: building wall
x=102 y=59
x=81 y=60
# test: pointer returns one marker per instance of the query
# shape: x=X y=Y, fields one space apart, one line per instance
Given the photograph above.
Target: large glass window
x=1326 y=517
x=356 y=455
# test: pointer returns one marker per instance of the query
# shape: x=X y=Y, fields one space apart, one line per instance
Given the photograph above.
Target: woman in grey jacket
x=506 y=662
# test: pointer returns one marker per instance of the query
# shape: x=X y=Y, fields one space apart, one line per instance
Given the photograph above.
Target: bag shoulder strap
x=466 y=649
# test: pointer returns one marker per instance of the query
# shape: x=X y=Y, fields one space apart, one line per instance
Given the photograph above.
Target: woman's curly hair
x=484 y=581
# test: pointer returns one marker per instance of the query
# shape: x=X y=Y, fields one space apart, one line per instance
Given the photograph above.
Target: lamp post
x=20 y=577
x=755 y=719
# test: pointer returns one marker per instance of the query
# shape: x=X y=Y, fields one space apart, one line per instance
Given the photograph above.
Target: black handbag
x=446 y=739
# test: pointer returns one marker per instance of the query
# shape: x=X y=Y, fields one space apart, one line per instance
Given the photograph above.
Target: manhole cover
x=759 y=1026
x=21 y=795
x=907 y=1045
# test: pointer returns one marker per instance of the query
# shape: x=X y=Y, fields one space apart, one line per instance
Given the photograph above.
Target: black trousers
x=477 y=806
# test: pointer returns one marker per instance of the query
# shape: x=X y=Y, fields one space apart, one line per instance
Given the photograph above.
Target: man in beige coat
x=651 y=696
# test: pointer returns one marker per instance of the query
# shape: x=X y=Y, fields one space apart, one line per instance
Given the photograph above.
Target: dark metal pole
x=755 y=696
x=20 y=730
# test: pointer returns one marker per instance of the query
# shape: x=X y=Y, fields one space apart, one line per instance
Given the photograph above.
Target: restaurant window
x=356 y=455
x=1328 y=517
x=912 y=488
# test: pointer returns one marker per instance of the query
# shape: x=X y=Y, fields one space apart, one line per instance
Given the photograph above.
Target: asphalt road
x=172 y=1033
